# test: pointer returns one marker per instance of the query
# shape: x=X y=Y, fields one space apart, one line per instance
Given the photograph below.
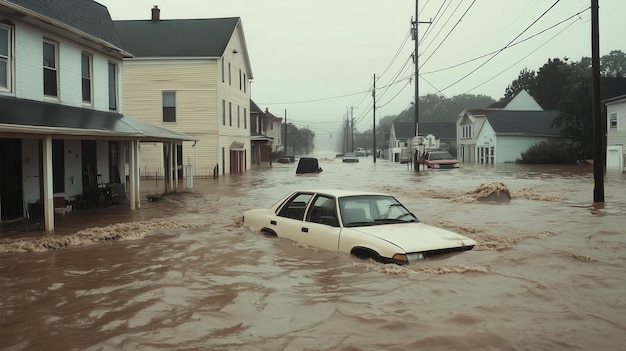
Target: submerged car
x=308 y=165
x=350 y=157
x=438 y=160
x=367 y=225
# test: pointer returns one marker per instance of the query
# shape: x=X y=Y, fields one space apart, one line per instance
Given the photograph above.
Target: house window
x=85 y=63
x=112 y=86
x=5 y=57
x=245 y=118
x=223 y=74
x=230 y=114
x=238 y=117
x=467 y=131
x=240 y=81
x=50 y=69
x=244 y=83
x=271 y=125
x=223 y=112
x=230 y=80
x=613 y=121
x=169 y=106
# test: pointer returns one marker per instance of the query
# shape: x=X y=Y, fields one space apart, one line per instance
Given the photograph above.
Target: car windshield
x=366 y=210
x=441 y=156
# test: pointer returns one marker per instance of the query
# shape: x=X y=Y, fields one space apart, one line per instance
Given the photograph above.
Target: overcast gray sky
x=317 y=58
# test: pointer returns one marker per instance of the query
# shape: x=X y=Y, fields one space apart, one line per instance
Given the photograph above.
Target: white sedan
x=365 y=224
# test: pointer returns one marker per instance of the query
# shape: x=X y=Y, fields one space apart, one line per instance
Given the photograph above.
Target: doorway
x=11 y=197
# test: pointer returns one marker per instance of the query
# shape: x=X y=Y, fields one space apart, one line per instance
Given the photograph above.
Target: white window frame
x=613 y=121
x=466 y=131
x=223 y=69
x=51 y=67
x=169 y=106
x=112 y=86
x=230 y=114
x=88 y=77
x=223 y=112
x=7 y=58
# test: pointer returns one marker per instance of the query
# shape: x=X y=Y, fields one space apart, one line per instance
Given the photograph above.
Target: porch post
x=175 y=150
x=170 y=174
x=134 y=175
x=48 y=195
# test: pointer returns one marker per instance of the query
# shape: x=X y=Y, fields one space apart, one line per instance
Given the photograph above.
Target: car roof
x=342 y=192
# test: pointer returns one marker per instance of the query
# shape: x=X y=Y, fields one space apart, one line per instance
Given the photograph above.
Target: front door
x=11 y=200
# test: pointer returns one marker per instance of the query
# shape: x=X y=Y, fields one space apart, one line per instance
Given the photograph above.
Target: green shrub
x=548 y=152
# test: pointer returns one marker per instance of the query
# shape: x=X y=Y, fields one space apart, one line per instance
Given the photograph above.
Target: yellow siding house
x=190 y=76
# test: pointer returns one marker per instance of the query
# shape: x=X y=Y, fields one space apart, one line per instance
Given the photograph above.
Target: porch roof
x=258 y=137
x=21 y=116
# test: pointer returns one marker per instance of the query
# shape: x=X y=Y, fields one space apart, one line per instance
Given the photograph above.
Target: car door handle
x=273 y=222
x=305 y=229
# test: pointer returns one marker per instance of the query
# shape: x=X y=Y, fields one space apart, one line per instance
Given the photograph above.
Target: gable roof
x=207 y=37
x=86 y=18
x=271 y=116
x=501 y=104
x=254 y=108
x=37 y=117
x=528 y=123
x=441 y=130
x=404 y=130
x=615 y=100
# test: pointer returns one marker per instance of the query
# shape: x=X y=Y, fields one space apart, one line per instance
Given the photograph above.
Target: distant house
x=434 y=135
x=63 y=138
x=501 y=132
x=616 y=133
x=273 y=129
x=262 y=141
x=191 y=76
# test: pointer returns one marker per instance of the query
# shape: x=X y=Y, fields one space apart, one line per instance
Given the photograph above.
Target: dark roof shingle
x=177 y=38
x=84 y=15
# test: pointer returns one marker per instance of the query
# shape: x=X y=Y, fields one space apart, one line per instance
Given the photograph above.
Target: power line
x=502 y=49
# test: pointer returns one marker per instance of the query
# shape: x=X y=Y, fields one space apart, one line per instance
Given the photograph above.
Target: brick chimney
x=156 y=14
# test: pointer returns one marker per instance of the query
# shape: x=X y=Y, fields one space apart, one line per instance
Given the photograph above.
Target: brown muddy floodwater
x=183 y=274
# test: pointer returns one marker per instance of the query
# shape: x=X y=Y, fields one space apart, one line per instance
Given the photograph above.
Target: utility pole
x=598 y=132
x=351 y=109
x=417 y=91
x=346 y=143
x=374 y=149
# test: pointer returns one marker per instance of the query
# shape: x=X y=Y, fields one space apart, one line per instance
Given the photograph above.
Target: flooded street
x=183 y=274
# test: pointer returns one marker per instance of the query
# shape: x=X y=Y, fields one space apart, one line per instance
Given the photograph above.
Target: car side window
x=296 y=206
x=324 y=211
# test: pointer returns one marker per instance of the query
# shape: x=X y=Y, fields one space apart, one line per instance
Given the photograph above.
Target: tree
x=613 y=64
x=437 y=108
x=551 y=79
x=299 y=141
x=576 y=117
x=527 y=80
